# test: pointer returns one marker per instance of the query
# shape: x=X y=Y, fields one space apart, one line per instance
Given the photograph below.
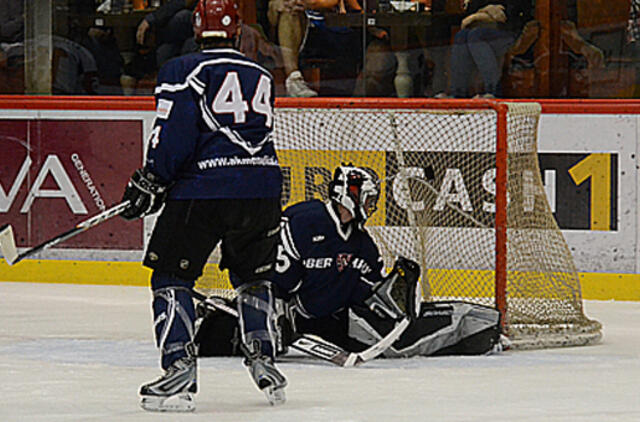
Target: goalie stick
x=8 y=243
x=321 y=349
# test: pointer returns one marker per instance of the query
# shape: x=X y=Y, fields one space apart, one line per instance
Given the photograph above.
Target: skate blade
x=182 y=402
x=275 y=396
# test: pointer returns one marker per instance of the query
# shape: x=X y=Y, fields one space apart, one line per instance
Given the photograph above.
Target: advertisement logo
x=54 y=173
x=457 y=189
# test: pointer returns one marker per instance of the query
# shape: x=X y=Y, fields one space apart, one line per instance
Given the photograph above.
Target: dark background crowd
x=453 y=48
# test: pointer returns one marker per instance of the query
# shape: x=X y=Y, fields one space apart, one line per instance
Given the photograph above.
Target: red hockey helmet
x=216 y=18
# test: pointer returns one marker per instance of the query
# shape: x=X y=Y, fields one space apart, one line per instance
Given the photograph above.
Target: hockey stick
x=321 y=349
x=8 y=243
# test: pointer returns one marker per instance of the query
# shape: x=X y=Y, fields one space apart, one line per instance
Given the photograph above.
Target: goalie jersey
x=212 y=133
x=323 y=266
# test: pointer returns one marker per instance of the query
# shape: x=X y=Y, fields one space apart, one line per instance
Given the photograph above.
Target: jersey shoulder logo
x=164 y=108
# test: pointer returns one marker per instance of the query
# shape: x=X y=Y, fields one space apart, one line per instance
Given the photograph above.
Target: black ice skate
x=268 y=378
x=172 y=392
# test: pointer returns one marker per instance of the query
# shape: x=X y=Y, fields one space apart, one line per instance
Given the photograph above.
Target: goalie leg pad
x=443 y=328
x=173 y=316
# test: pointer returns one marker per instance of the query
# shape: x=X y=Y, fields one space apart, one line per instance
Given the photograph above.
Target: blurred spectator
x=165 y=33
x=174 y=30
x=633 y=25
x=436 y=49
x=11 y=33
x=11 y=21
x=288 y=17
x=73 y=69
x=101 y=43
x=254 y=45
x=11 y=46
x=303 y=37
x=376 y=78
x=633 y=41
x=487 y=32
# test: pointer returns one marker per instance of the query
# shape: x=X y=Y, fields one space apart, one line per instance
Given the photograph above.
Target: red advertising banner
x=55 y=173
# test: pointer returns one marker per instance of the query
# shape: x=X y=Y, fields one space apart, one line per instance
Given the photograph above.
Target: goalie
x=331 y=281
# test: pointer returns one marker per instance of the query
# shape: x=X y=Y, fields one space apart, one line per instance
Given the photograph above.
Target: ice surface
x=79 y=353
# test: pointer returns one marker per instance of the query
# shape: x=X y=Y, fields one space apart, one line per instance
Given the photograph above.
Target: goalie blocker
x=440 y=328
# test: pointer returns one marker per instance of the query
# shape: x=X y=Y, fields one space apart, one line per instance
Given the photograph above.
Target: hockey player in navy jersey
x=331 y=276
x=212 y=163
x=327 y=260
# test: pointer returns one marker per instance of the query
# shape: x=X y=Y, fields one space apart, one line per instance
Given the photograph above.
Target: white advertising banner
x=591 y=179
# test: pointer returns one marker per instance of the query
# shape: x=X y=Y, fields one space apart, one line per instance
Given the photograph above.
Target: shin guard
x=174 y=315
x=257 y=326
x=257 y=318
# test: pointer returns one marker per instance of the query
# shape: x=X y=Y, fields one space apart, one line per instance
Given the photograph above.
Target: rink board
x=65 y=160
x=596 y=286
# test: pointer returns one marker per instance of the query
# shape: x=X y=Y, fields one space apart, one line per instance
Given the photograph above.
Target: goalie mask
x=357 y=190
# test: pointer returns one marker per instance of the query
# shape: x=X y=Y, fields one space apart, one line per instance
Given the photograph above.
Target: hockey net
x=461 y=194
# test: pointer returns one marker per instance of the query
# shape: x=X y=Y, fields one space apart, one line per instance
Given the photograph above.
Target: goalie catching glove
x=397 y=295
x=145 y=193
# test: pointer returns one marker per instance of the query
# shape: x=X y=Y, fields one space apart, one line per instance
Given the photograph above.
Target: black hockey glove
x=397 y=295
x=145 y=194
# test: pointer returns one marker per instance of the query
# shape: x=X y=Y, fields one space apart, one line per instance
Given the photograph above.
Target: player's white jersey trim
x=223 y=51
x=287 y=240
x=296 y=287
x=197 y=85
x=208 y=116
x=237 y=139
x=188 y=81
